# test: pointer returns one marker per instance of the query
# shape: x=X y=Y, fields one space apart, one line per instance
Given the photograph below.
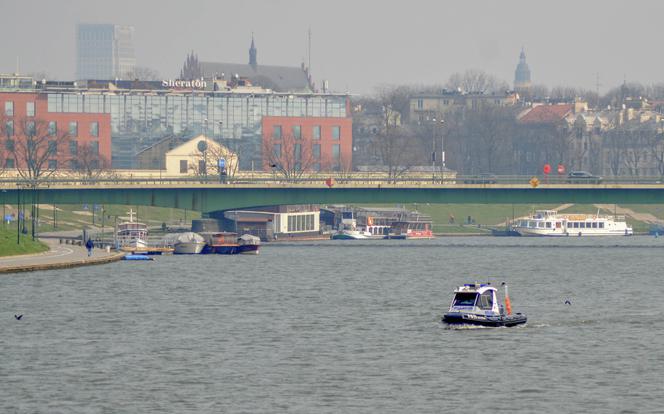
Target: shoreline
x=62 y=265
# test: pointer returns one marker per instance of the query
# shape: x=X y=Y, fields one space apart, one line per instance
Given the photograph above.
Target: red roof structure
x=547 y=114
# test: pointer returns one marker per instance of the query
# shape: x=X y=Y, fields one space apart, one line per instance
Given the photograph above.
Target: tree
x=191 y=69
x=476 y=81
x=89 y=164
x=34 y=146
x=289 y=156
x=142 y=73
x=207 y=162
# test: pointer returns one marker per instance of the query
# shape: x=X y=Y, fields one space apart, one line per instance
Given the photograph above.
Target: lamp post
x=4 y=205
x=18 y=214
x=435 y=123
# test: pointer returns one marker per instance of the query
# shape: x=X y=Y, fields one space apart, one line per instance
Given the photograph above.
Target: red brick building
x=72 y=134
x=307 y=143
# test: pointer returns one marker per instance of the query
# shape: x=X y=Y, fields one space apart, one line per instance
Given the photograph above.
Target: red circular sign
x=561 y=169
x=547 y=168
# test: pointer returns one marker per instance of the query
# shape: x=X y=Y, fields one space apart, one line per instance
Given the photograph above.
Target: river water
x=340 y=326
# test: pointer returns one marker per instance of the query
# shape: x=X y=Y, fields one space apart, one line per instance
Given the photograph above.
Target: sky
x=358 y=45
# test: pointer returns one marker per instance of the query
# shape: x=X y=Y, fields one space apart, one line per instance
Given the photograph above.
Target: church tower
x=252 y=53
x=522 y=74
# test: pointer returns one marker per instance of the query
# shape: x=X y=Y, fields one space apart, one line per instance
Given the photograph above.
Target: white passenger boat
x=550 y=223
x=132 y=234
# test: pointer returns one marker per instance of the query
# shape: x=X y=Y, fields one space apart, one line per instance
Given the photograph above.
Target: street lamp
x=435 y=123
x=4 y=205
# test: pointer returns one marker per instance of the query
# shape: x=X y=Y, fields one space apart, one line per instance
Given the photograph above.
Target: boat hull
x=457 y=318
x=221 y=249
x=249 y=248
x=188 y=248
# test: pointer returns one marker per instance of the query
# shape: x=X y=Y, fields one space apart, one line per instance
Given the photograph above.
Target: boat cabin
x=476 y=298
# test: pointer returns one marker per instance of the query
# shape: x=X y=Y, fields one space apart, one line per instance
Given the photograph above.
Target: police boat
x=477 y=304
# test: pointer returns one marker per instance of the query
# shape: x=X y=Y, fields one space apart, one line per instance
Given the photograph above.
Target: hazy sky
x=358 y=45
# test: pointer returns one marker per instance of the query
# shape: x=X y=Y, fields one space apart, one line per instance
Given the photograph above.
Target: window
x=9 y=108
x=52 y=164
x=336 y=132
x=73 y=129
x=297 y=153
x=73 y=164
x=276 y=131
x=486 y=300
x=316 y=151
x=595 y=225
x=183 y=166
x=297 y=131
x=9 y=163
x=316 y=132
x=9 y=145
x=336 y=156
x=94 y=147
x=276 y=151
x=30 y=128
x=420 y=103
x=52 y=128
x=52 y=147
x=464 y=299
x=548 y=224
x=94 y=129
x=202 y=167
x=30 y=108
x=601 y=224
x=73 y=147
x=9 y=128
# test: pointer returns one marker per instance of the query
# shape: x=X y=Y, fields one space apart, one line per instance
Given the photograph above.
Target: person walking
x=89 y=245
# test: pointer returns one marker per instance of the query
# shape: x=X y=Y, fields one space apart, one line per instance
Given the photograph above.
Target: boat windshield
x=464 y=299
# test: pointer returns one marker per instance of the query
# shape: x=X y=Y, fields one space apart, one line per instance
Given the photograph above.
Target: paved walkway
x=645 y=217
x=58 y=257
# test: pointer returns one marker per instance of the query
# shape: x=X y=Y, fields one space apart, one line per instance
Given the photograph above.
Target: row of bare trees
x=36 y=150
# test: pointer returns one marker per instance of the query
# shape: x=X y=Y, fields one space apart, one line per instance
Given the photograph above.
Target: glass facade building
x=141 y=118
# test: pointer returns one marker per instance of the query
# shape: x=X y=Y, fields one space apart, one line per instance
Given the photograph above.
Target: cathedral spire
x=252 y=53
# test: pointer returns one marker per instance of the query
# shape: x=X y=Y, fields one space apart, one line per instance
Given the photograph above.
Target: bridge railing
x=474 y=180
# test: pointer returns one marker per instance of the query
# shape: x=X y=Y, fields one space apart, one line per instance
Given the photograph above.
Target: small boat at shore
x=249 y=244
x=188 y=243
x=477 y=304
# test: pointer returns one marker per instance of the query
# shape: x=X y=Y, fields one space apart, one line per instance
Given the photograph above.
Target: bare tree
x=289 y=156
x=89 y=163
x=34 y=146
x=476 y=81
x=142 y=73
x=207 y=162
x=656 y=148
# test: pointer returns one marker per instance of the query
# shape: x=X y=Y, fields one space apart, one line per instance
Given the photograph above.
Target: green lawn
x=9 y=247
x=76 y=217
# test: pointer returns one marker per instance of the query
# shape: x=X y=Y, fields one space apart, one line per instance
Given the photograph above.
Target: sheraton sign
x=188 y=84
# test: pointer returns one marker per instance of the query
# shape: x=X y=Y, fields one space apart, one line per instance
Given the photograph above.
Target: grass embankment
x=9 y=247
x=76 y=217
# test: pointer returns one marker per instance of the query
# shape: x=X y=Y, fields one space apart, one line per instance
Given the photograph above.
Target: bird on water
x=18 y=317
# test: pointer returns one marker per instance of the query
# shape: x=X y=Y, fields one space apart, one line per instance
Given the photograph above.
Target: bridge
x=208 y=196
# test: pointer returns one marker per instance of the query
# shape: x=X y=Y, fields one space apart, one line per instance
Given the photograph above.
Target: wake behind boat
x=477 y=304
x=550 y=223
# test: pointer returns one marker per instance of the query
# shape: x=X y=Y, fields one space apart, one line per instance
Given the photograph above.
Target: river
x=340 y=326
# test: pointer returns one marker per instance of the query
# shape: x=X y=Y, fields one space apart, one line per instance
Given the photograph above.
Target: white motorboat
x=550 y=223
x=477 y=304
x=188 y=243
